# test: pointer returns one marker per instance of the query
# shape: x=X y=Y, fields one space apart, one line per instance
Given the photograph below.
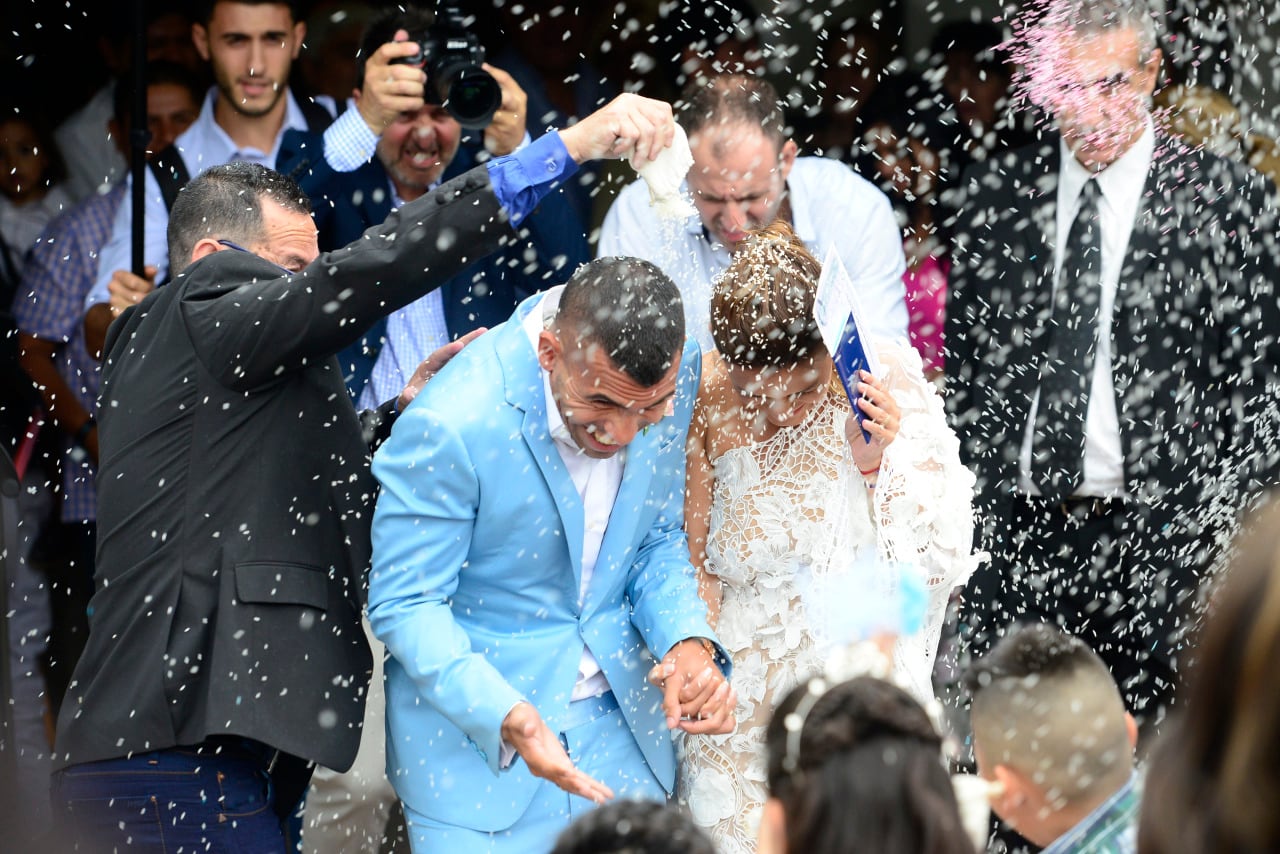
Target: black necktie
x=1057 y=459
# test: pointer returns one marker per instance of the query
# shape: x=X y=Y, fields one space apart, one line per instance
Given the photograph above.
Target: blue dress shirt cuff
x=521 y=179
x=348 y=142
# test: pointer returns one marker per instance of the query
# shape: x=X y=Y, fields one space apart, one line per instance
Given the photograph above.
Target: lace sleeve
x=923 y=500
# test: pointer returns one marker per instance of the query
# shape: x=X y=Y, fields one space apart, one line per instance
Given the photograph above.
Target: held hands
x=431 y=366
x=628 y=122
x=524 y=729
x=390 y=88
x=505 y=133
x=883 y=417
x=695 y=695
x=127 y=289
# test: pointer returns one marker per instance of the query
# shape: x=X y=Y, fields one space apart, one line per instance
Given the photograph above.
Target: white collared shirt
x=202 y=145
x=1121 y=186
x=597 y=482
x=830 y=206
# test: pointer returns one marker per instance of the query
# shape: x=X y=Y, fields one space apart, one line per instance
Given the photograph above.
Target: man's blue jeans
x=211 y=798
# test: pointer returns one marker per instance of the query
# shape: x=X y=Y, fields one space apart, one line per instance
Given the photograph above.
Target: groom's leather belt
x=1081 y=507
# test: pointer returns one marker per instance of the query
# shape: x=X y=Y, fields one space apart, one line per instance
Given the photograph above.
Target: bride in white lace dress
x=803 y=533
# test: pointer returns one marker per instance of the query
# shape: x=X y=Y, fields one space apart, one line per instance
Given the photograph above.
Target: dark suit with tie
x=1193 y=339
x=551 y=244
x=234 y=500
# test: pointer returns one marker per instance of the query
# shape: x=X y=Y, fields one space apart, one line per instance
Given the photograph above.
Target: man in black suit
x=1112 y=353
x=225 y=652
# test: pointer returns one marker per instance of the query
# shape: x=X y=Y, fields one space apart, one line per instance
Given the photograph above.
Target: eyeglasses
x=231 y=244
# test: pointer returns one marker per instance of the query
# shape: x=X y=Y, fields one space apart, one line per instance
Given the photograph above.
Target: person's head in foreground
x=1213 y=781
x=741 y=154
x=631 y=826
x=857 y=767
x=613 y=352
x=763 y=326
x=243 y=207
x=1050 y=730
x=1093 y=64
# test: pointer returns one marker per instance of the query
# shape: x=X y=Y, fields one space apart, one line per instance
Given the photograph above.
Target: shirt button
x=551 y=166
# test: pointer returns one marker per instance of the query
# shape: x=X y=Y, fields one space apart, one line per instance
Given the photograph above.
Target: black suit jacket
x=1193 y=335
x=234 y=505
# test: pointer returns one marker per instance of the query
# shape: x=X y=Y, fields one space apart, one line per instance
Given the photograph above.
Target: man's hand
x=128 y=289
x=695 y=695
x=524 y=729
x=390 y=88
x=505 y=133
x=431 y=366
x=627 y=123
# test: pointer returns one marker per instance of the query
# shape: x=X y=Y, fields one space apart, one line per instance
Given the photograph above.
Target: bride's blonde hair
x=762 y=304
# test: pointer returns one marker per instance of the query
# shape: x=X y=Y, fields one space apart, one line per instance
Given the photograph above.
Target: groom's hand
x=524 y=729
x=695 y=695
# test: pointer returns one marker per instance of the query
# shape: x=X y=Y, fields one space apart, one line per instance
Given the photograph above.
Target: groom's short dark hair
x=629 y=307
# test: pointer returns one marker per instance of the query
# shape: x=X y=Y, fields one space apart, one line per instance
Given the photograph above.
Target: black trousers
x=1098 y=570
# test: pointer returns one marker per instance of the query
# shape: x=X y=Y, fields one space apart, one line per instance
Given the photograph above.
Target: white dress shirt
x=597 y=482
x=830 y=206
x=202 y=145
x=1121 y=186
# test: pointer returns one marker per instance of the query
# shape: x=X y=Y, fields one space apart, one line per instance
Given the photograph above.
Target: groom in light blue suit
x=531 y=578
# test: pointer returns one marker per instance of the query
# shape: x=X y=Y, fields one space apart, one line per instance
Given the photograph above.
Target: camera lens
x=472 y=95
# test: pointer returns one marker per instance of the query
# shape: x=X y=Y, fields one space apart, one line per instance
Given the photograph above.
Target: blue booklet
x=844 y=330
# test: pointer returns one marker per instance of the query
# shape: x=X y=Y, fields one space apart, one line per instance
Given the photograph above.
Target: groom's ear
x=549 y=350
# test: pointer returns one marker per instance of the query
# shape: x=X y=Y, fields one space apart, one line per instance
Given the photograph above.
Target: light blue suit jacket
x=477 y=559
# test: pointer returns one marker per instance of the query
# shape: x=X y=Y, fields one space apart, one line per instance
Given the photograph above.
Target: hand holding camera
x=505 y=133
x=391 y=87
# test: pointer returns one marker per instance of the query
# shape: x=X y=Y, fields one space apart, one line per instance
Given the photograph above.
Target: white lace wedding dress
x=806 y=556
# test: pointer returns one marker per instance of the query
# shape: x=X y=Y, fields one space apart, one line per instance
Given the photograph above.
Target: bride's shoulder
x=715 y=388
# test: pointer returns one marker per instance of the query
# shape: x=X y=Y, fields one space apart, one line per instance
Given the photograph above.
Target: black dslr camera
x=451 y=56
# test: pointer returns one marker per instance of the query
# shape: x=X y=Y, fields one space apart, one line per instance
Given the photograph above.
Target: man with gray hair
x=1111 y=354
x=1052 y=736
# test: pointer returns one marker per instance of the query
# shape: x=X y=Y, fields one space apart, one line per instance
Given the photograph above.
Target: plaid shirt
x=60 y=271
x=1110 y=829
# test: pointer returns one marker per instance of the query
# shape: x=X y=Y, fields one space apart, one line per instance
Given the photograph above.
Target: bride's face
x=782 y=396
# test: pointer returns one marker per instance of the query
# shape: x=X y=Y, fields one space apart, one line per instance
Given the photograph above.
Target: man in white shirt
x=745 y=174
x=1112 y=325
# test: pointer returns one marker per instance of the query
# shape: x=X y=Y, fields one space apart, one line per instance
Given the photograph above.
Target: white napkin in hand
x=665 y=175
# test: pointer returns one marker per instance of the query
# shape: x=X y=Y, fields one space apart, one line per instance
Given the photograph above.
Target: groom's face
x=601 y=405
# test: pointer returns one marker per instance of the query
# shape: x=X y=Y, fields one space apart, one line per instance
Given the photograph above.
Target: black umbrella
x=139 y=134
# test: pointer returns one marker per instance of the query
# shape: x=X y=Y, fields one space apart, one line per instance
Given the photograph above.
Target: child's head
x=29 y=160
x=1050 y=728
x=857 y=766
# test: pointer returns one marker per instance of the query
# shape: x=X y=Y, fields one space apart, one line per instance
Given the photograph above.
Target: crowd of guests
x=629 y=535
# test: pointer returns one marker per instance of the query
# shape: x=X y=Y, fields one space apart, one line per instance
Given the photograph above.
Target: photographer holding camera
x=470 y=112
